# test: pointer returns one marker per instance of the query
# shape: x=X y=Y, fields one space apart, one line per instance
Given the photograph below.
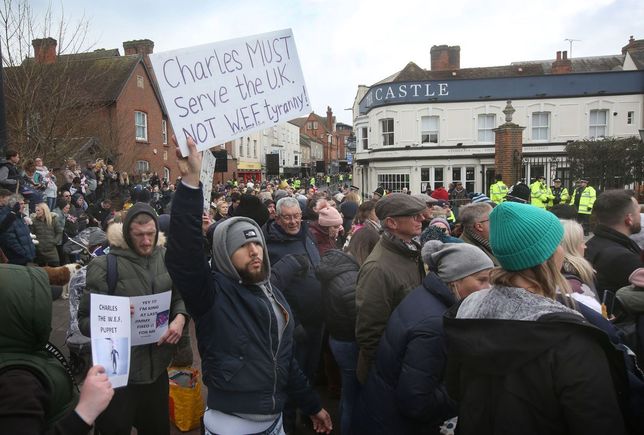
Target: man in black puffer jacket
x=611 y=251
x=244 y=325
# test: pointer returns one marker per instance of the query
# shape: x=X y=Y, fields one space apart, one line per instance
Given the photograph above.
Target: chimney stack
x=139 y=46
x=45 y=50
x=634 y=45
x=562 y=65
x=445 y=58
x=329 y=119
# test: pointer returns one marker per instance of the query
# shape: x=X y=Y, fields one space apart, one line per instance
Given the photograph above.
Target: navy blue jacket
x=303 y=291
x=15 y=240
x=405 y=393
x=246 y=368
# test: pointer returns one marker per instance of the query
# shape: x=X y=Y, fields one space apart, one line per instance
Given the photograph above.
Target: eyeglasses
x=291 y=218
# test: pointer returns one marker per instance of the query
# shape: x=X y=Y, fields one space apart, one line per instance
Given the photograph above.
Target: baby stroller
x=80 y=350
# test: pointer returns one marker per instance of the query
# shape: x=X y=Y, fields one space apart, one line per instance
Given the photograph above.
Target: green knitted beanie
x=523 y=236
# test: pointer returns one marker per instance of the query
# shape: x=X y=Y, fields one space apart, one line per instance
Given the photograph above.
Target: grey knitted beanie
x=453 y=261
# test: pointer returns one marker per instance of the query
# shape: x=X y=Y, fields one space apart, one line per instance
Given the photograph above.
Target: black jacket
x=614 y=256
x=246 y=367
x=558 y=375
x=404 y=393
x=303 y=292
x=338 y=273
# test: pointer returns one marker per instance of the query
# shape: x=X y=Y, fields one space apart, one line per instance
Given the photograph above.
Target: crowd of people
x=426 y=312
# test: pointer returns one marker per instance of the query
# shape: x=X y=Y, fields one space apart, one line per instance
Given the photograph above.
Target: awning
x=249 y=165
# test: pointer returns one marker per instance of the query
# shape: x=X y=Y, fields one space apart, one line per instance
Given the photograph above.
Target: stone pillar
x=508 y=147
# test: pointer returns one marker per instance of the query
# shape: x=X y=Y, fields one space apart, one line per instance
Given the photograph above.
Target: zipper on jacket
x=273 y=354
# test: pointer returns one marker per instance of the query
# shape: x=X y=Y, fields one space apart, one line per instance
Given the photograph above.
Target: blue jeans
x=346 y=355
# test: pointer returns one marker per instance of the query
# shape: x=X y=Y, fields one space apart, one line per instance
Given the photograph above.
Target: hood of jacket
x=495 y=333
x=334 y=263
x=25 y=309
x=221 y=256
x=116 y=237
x=137 y=209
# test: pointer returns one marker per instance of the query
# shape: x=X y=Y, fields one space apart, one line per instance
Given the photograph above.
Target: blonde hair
x=124 y=178
x=545 y=279
x=46 y=213
x=574 y=260
x=352 y=197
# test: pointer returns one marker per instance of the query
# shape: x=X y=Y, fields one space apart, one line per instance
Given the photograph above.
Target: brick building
x=333 y=135
x=117 y=113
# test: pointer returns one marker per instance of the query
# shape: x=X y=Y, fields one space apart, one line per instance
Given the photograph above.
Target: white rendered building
x=435 y=126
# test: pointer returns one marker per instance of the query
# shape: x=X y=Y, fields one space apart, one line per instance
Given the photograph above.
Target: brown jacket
x=390 y=272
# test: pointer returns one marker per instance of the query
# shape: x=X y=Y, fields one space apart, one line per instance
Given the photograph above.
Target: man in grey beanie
x=244 y=324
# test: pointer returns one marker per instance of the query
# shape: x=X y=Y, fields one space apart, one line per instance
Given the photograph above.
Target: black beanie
x=251 y=206
x=136 y=209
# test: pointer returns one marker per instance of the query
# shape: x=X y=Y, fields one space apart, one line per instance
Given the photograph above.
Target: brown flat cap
x=399 y=204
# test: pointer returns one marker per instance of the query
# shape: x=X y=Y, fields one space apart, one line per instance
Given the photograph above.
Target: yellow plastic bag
x=186 y=404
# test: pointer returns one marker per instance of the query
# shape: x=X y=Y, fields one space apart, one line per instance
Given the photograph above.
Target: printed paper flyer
x=151 y=317
x=110 y=326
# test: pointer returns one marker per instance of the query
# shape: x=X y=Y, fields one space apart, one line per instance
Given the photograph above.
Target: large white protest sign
x=207 y=171
x=221 y=91
x=110 y=328
x=151 y=317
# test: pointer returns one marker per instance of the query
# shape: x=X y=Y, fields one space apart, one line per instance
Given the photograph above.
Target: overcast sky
x=345 y=43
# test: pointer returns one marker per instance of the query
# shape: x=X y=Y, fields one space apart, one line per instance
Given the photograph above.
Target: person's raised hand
x=95 y=395
x=190 y=166
x=322 y=422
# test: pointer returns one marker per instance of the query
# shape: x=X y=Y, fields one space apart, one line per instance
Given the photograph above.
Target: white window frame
x=540 y=130
x=164 y=132
x=241 y=147
x=296 y=160
x=166 y=174
x=165 y=155
x=394 y=182
x=630 y=116
x=139 y=81
x=597 y=129
x=142 y=166
x=429 y=129
x=364 y=137
x=388 y=136
x=141 y=125
x=486 y=122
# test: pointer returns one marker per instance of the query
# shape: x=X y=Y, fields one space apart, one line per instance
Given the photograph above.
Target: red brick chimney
x=633 y=45
x=329 y=119
x=139 y=46
x=45 y=50
x=562 y=65
x=445 y=58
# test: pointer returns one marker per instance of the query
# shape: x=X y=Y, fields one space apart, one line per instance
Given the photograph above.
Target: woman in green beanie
x=518 y=360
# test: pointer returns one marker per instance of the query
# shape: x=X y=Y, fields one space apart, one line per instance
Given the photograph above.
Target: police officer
x=560 y=193
x=540 y=193
x=498 y=190
x=583 y=199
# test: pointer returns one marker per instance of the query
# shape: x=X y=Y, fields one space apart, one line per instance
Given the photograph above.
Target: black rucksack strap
x=112 y=274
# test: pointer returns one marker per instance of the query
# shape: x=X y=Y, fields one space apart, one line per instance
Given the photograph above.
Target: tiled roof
x=584 y=64
x=98 y=79
x=638 y=58
x=412 y=72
